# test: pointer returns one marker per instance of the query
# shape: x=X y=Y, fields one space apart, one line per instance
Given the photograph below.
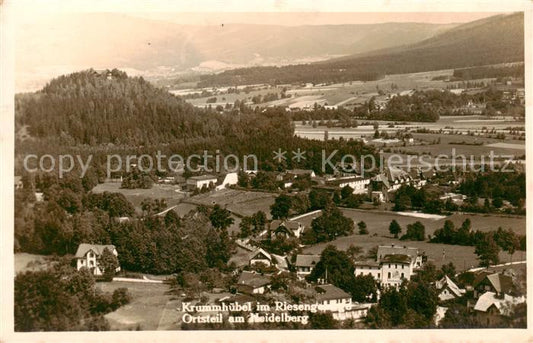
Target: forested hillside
x=90 y=108
x=120 y=114
x=494 y=40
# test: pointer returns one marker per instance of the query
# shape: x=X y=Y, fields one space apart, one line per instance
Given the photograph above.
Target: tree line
x=63 y=299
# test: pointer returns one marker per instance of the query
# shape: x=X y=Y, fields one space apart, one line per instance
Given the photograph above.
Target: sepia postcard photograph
x=267 y=168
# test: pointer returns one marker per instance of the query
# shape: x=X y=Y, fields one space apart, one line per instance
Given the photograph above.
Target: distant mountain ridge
x=59 y=44
x=492 y=40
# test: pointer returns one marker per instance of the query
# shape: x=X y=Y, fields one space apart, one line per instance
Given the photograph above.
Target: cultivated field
x=171 y=193
x=346 y=94
x=151 y=307
x=463 y=124
x=242 y=203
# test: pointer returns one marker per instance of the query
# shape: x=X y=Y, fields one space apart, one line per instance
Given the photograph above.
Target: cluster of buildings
x=393 y=265
x=495 y=297
x=491 y=296
x=202 y=182
x=378 y=187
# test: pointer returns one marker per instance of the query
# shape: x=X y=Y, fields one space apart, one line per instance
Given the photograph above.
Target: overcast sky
x=315 y=18
x=281 y=12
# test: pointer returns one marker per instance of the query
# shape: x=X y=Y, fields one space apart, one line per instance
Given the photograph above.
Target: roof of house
x=291 y=225
x=396 y=258
x=382 y=178
x=254 y=254
x=275 y=224
x=369 y=263
x=503 y=305
x=83 y=248
x=202 y=178
x=500 y=282
x=394 y=173
x=281 y=261
x=330 y=292
x=282 y=228
x=341 y=181
x=253 y=279
x=446 y=281
x=300 y=171
x=384 y=250
x=240 y=298
x=307 y=260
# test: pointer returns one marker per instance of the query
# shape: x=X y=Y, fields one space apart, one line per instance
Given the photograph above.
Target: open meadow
x=463 y=257
x=151 y=307
x=378 y=222
x=30 y=262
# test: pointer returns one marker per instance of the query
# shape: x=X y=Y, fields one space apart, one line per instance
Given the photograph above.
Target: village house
x=305 y=264
x=248 y=255
x=421 y=177
x=379 y=188
x=289 y=177
x=88 y=255
x=199 y=182
x=497 y=283
x=448 y=290
x=18 y=182
x=286 y=228
x=492 y=310
x=260 y=256
x=357 y=183
x=287 y=180
x=339 y=303
x=397 y=177
x=393 y=265
x=253 y=283
x=302 y=172
x=345 y=168
x=230 y=179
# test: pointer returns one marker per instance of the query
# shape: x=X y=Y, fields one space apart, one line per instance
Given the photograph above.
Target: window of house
x=395 y=266
x=402 y=276
x=388 y=275
x=378 y=275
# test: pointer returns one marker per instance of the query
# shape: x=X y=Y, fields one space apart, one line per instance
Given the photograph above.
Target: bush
x=98 y=323
x=121 y=296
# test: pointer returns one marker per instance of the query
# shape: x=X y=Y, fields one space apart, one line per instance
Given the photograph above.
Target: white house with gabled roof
x=88 y=255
